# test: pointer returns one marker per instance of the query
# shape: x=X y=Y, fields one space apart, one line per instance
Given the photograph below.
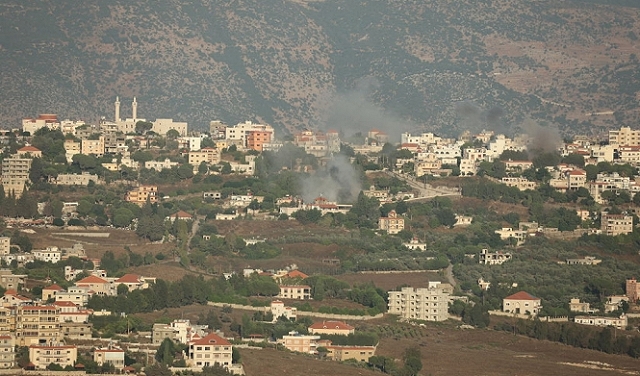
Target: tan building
x=430 y=303
x=625 y=136
x=210 y=350
x=299 y=292
x=110 y=354
x=616 y=224
x=160 y=165
x=11 y=281
x=575 y=305
x=206 y=155
x=29 y=152
x=521 y=183
x=296 y=342
x=331 y=327
x=522 y=303
x=7 y=351
x=632 y=290
x=162 y=126
x=71 y=148
x=76 y=330
x=15 y=174
x=392 y=223
x=134 y=282
x=50 y=292
x=8 y=319
x=493 y=258
x=141 y=194
x=98 y=285
x=357 y=353
x=5 y=245
x=42 y=356
x=37 y=325
x=92 y=147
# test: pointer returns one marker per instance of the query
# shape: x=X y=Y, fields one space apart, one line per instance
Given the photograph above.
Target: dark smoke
x=340 y=182
x=354 y=111
x=475 y=119
x=542 y=139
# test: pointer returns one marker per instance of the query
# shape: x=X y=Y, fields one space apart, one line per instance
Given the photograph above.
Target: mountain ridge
x=296 y=64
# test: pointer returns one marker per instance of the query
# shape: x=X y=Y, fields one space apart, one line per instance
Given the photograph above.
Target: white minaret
x=117 y=119
x=134 y=107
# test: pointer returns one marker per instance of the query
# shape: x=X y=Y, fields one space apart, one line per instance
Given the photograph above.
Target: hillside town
x=65 y=308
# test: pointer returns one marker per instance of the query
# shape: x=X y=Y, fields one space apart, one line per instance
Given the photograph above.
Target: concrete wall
x=299 y=313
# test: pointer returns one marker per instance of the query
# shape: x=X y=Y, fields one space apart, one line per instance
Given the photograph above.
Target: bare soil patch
x=391 y=281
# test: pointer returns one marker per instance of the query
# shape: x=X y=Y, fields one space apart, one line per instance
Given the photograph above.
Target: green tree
x=143 y=127
x=158 y=369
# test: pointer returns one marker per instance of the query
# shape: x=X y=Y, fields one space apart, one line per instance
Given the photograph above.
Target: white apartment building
x=15 y=174
x=241 y=130
x=430 y=303
x=42 y=356
x=50 y=254
x=160 y=165
x=299 y=292
x=190 y=143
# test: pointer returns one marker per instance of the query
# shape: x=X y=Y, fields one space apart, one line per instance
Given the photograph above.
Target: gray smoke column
x=475 y=119
x=542 y=139
x=354 y=111
x=340 y=182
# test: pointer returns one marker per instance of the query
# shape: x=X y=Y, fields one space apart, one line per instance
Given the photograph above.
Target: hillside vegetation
x=437 y=65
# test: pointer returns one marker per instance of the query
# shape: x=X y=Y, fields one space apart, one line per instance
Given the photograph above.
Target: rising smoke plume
x=475 y=119
x=340 y=182
x=354 y=111
x=542 y=139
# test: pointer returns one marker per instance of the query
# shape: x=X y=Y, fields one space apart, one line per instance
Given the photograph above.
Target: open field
x=389 y=281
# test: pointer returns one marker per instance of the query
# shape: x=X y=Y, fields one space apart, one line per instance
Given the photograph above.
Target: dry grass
x=390 y=281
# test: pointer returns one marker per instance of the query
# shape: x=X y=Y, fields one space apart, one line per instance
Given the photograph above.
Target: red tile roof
x=91 y=279
x=29 y=148
x=522 y=295
x=64 y=304
x=329 y=324
x=54 y=287
x=296 y=274
x=129 y=278
x=181 y=214
x=212 y=339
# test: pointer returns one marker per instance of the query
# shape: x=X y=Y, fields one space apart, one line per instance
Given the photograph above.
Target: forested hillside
x=437 y=65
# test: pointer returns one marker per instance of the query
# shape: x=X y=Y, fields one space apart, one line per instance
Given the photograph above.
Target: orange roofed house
x=97 y=285
x=209 y=350
x=331 y=327
x=522 y=303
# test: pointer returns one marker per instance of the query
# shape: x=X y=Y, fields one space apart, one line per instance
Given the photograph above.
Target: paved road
x=448 y=272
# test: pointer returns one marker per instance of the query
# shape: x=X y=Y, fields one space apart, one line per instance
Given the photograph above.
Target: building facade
x=430 y=303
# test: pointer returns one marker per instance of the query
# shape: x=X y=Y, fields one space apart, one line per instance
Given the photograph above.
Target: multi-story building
x=430 y=303
x=210 y=350
x=76 y=330
x=632 y=289
x=494 y=258
x=32 y=125
x=43 y=355
x=5 y=245
x=629 y=154
x=93 y=147
x=8 y=319
x=616 y=224
x=7 y=351
x=179 y=330
x=99 y=286
x=278 y=309
x=256 y=139
x=392 y=223
x=521 y=183
x=37 y=325
x=522 y=303
x=357 y=353
x=71 y=148
x=29 y=152
x=206 y=155
x=142 y=194
x=110 y=354
x=299 y=292
x=509 y=234
x=15 y=174
x=10 y=281
x=625 y=136
x=78 y=295
x=575 y=305
x=51 y=254
x=162 y=126
x=306 y=344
